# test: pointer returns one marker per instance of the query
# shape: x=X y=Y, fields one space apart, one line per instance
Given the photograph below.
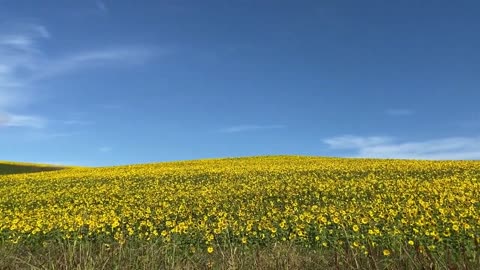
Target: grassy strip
x=11 y=168
x=150 y=255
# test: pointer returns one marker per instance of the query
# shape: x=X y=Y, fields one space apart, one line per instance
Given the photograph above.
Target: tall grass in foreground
x=143 y=255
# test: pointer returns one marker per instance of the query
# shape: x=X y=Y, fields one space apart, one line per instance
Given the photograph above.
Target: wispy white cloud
x=356 y=142
x=388 y=147
x=23 y=64
x=15 y=120
x=18 y=54
x=399 y=112
x=126 y=56
x=76 y=122
x=245 y=128
x=110 y=106
x=101 y=6
x=105 y=149
x=18 y=58
x=22 y=36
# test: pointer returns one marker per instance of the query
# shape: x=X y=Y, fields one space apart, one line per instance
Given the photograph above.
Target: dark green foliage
x=11 y=168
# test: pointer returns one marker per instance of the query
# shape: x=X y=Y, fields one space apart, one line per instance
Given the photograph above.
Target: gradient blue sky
x=116 y=82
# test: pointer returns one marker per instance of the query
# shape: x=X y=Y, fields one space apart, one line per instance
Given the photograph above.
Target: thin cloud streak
x=399 y=112
x=77 y=122
x=94 y=58
x=15 y=120
x=18 y=58
x=245 y=128
x=105 y=149
x=353 y=142
x=23 y=64
x=455 y=148
x=101 y=6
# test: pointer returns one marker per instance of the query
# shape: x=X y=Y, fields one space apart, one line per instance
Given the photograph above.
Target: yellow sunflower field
x=365 y=207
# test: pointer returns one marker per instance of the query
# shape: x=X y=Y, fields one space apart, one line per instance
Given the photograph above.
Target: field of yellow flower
x=365 y=207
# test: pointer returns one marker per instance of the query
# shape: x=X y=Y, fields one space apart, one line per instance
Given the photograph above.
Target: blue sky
x=117 y=82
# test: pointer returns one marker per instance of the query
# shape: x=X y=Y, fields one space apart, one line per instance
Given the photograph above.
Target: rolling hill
x=7 y=167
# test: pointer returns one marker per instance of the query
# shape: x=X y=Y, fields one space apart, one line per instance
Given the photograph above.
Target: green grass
x=7 y=167
x=150 y=255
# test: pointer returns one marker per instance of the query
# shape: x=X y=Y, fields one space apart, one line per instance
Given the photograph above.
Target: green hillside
x=7 y=167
